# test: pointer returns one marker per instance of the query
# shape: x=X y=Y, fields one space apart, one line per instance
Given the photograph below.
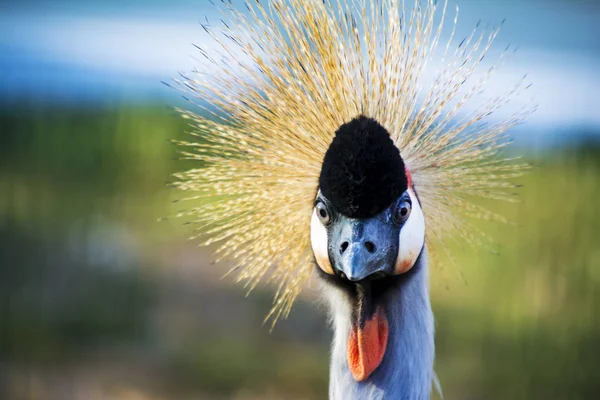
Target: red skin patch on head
x=366 y=346
x=408 y=177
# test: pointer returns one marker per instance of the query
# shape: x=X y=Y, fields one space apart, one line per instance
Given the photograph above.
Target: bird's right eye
x=323 y=213
x=402 y=211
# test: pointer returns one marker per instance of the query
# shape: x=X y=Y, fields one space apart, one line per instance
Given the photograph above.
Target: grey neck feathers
x=406 y=372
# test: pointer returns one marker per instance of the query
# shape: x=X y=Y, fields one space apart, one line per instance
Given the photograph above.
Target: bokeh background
x=98 y=300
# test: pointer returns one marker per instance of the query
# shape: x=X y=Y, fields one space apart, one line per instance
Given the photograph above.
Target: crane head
x=367 y=228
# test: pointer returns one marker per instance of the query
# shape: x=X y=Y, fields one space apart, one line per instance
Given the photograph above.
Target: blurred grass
x=80 y=269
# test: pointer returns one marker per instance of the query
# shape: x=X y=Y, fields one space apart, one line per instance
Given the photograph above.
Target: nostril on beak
x=343 y=247
x=370 y=247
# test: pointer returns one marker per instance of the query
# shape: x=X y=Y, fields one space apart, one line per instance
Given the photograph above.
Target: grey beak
x=358 y=263
x=362 y=249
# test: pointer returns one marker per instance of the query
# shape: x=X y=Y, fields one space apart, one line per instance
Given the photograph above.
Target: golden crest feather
x=286 y=75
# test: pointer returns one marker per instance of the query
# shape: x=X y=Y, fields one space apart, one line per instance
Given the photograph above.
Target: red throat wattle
x=367 y=344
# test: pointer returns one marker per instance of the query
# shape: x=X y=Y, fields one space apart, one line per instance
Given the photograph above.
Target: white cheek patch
x=412 y=237
x=318 y=241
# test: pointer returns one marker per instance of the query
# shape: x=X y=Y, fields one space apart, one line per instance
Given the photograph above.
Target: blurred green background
x=98 y=300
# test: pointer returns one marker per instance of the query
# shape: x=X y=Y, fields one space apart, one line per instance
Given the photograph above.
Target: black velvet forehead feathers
x=362 y=172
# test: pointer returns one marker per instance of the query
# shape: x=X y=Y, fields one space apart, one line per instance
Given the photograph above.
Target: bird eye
x=402 y=211
x=323 y=213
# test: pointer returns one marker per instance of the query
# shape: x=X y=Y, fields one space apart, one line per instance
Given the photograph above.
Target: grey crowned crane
x=337 y=139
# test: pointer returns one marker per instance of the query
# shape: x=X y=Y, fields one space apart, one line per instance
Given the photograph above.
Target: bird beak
x=363 y=249
x=358 y=263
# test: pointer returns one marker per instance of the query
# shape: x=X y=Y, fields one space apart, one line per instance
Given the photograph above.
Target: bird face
x=357 y=249
x=367 y=229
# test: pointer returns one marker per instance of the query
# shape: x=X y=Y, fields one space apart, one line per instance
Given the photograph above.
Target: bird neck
x=406 y=372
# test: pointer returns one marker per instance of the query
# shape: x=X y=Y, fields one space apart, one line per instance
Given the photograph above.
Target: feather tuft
x=283 y=78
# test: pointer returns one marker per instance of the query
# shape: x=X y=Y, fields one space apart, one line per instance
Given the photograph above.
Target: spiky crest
x=288 y=74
